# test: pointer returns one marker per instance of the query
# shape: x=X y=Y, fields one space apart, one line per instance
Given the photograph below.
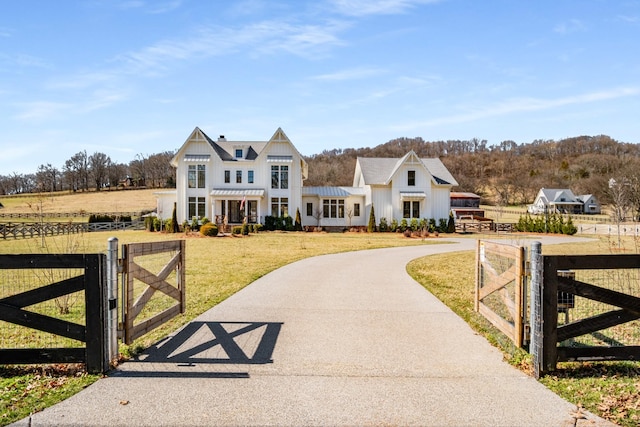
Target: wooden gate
x=500 y=276
x=13 y=309
x=149 y=299
x=614 y=324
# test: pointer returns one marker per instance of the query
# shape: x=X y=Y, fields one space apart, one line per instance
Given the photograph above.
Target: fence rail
x=29 y=230
x=20 y=308
x=31 y=215
x=576 y=307
x=500 y=277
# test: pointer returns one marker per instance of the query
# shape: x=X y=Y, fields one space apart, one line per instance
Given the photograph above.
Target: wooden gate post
x=550 y=314
x=95 y=312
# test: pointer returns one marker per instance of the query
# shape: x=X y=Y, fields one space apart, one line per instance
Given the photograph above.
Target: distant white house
x=248 y=180
x=562 y=200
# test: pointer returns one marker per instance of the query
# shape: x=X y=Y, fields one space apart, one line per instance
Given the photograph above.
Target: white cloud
x=40 y=110
x=350 y=74
x=376 y=7
x=519 y=105
x=628 y=18
x=571 y=26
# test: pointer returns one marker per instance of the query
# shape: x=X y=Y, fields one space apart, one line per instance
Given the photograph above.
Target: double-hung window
x=196 y=175
x=227 y=177
x=280 y=176
x=250 y=177
x=411 y=209
x=333 y=208
x=411 y=178
x=238 y=177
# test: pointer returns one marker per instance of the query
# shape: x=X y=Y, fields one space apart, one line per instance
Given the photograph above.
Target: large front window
x=333 y=208
x=279 y=206
x=280 y=176
x=196 y=207
x=411 y=209
x=196 y=176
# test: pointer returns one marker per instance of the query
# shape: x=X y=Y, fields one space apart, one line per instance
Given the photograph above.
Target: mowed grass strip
x=216 y=268
x=608 y=389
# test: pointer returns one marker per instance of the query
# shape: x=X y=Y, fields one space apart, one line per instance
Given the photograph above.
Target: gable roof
x=555 y=196
x=379 y=171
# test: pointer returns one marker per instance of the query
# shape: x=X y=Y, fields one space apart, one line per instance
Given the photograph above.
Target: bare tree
x=47 y=178
x=99 y=164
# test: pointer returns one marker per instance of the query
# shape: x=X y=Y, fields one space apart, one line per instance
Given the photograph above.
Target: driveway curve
x=343 y=339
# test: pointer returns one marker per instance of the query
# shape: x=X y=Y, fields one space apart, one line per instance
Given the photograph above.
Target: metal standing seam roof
x=237 y=192
x=332 y=191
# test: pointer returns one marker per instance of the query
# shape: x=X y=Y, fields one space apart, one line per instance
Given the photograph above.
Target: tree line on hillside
x=503 y=174
x=508 y=173
x=97 y=171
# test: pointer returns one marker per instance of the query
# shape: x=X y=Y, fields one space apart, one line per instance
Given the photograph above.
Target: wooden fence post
x=550 y=313
x=95 y=312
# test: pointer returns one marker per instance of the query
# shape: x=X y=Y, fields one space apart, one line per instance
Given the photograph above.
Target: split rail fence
x=561 y=308
x=63 y=308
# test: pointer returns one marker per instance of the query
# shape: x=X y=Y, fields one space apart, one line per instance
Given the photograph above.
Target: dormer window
x=238 y=153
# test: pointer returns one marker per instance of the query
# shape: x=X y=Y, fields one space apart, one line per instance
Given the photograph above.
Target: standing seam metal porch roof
x=332 y=191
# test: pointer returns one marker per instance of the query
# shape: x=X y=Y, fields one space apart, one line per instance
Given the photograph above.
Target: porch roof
x=237 y=192
x=406 y=195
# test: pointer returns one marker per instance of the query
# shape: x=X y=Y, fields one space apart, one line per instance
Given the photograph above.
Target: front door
x=235 y=216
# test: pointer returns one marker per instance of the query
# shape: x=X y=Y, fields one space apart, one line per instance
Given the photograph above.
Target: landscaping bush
x=383 y=225
x=257 y=228
x=394 y=225
x=93 y=218
x=403 y=225
x=451 y=224
x=442 y=225
x=245 y=229
x=413 y=224
x=237 y=230
x=209 y=229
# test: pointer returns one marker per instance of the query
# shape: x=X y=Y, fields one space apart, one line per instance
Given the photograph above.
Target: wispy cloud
x=154 y=7
x=632 y=19
x=520 y=105
x=39 y=110
x=350 y=74
x=571 y=26
x=376 y=7
x=261 y=38
x=22 y=60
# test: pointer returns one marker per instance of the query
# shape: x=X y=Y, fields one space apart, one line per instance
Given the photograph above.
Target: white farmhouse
x=562 y=200
x=233 y=181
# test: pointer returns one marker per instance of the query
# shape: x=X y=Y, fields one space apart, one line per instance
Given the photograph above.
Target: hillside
x=507 y=173
x=85 y=202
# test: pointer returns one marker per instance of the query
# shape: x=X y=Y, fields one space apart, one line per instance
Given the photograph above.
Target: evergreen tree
x=451 y=224
x=298 y=223
x=372 y=221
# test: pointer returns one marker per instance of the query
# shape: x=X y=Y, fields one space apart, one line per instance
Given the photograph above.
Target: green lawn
x=215 y=269
x=609 y=389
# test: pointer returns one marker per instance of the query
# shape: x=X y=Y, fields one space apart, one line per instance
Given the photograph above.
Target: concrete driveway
x=345 y=339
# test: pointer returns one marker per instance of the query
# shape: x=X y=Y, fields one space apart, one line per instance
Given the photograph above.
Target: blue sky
x=135 y=77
